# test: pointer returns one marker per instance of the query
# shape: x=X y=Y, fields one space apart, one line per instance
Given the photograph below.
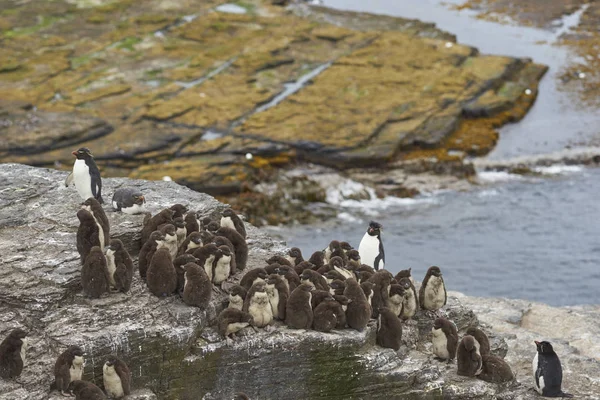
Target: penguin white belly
x=368 y=249
x=236 y=302
x=347 y=274
x=539 y=386
x=234 y=327
x=112 y=383
x=226 y=222
x=327 y=255
x=273 y=299
x=222 y=269
x=181 y=235
x=82 y=179
x=76 y=370
x=134 y=209
x=440 y=344
x=290 y=259
x=208 y=266
x=23 y=352
x=409 y=305
x=480 y=369
x=370 y=298
x=395 y=304
x=110 y=265
x=191 y=245
x=435 y=295
x=115 y=205
x=260 y=309
x=171 y=242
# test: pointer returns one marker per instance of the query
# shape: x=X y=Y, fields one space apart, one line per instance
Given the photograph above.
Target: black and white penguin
x=86 y=175
x=84 y=390
x=221 y=265
x=206 y=257
x=547 y=371
x=12 y=354
x=129 y=201
x=278 y=293
x=359 y=309
x=223 y=241
x=258 y=305
x=444 y=337
x=193 y=241
x=468 y=358
x=161 y=277
x=170 y=233
x=119 y=265
x=326 y=313
x=410 y=304
x=154 y=242
x=299 y=312
x=88 y=234
x=231 y=320
x=231 y=220
x=371 y=247
x=117 y=378
x=94 y=207
x=389 y=329
x=94 y=274
x=197 y=289
x=432 y=294
x=68 y=368
x=237 y=294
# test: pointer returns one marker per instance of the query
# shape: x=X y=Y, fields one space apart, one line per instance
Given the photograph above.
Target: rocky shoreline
x=174 y=351
x=199 y=87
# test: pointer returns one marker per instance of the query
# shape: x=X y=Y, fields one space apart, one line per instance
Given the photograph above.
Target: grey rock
x=174 y=351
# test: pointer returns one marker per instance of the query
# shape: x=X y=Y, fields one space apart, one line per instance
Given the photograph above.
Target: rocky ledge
x=201 y=84
x=175 y=352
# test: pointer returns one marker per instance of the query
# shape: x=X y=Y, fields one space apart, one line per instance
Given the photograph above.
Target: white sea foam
x=559 y=169
x=497 y=176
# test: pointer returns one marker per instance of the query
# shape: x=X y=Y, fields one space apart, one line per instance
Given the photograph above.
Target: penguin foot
x=66 y=394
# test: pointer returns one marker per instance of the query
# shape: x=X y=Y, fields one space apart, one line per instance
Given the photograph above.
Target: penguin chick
x=197 y=289
x=389 y=329
x=495 y=369
x=12 y=354
x=152 y=224
x=298 y=312
x=359 y=310
x=354 y=255
x=317 y=296
x=170 y=233
x=335 y=250
x=253 y=276
x=368 y=288
x=231 y=320
x=341 y=317
x=444 y=337
x=213 y=227
x=205 y=222
x=223 y=241
x=314 y=279
x=290 y=277
x=381 y=292
x=180 y=231
x=154 y=242
x=299 y=268
x=93 y=206
x=241 y=247
x=191 y=222
x=396 y=299
x=405 y=273
x=119 y=265
x=325 y=315
x=237 y=294
x=332 y=275
x=86 y=175
x=547 y=371
x=117 y=378
x=258 y=305
x=338 y=264
x=86 y=391
x=230 y=219
x=221 y=265
x=279 y=260
x=179 y=210
x=371 y=247
x=206 y=256
x=410 y=304
x=128 y=200
x=94 y=274
x=363 y=276
x=432 y=294
x=317 y=259
x=68 y=368
x=468 y=358
x=482 y=339
x=294 y=256
x=179 y=265
x=88 y=234
x=278 y=293
x=161 y=278
x=337 y=287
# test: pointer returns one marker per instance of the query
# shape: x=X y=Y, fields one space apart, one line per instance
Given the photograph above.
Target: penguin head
x=317 y=258
x=179 y=222
x=334 y=245
x=435 y=271
x=343 y=300
x=353 y=255
x=345 y=246
x=405 y=283
x=295 y=252
x=196 y=238
x=82 y=153
x=306 y=287
x=336 y=261
x=179 y=210
x=18 y=334
x=375 y=228
x=138 y=198
x=469 y=342
x=225 y=251
x=75 y=351
x=115 y=245
x=438 y=323
x=213 y=226
x=544 y=347
x=84 y=215
x=238 y=290
x=228 y=213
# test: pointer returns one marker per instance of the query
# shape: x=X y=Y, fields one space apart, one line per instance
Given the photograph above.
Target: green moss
x=339 y=380
x=153 y=73
x=43 y=22
x=128 y=43
x=249 y=7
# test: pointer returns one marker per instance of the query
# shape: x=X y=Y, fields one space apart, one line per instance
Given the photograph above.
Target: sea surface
x=529 y=238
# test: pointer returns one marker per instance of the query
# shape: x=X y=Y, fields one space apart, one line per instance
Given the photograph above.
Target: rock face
x=174 y=351
x=201 y=87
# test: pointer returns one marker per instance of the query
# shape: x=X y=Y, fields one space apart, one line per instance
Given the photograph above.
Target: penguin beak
x=142 y=198
x=74 y=153
x=536 y=342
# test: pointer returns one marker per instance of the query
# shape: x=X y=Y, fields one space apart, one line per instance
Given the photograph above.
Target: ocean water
x=514 y=236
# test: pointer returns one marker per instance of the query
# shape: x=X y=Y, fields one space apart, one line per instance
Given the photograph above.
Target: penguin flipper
x=69 y=180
